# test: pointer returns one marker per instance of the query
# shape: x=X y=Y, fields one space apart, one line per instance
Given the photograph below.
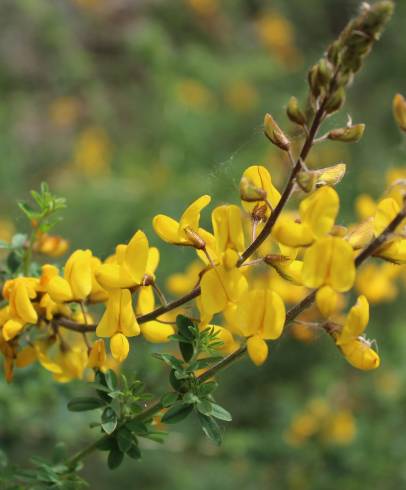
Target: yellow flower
x=228 y=229
x=393 y=250
x=329 y=261
x=377 y=282
x=97 y=355
x=51 y=245
x=146 y=299
x=157 y=332
x=318 y=212
x=127 y=268
x=256 y=190
x=340 y=427
x=76 y=284
x=355 y=348
x=186 y=231
x=119 y=318
x=20 y=292
x=260 y=315
x=220 y=287
x=327 y=301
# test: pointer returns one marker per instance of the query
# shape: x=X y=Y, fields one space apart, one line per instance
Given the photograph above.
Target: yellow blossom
x=186 y=230
x=256 y=189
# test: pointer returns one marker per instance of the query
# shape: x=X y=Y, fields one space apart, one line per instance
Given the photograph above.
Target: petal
x=153 y=261
x=213 y=296
x=119 y=347
x=342 y=270
x=274 y=317
x=136 y=256
x=128 y=324
x=387 y=209
x=191 y=217
x=360 y=355
x=157 y=332
x=22 y=305
x=78 y=272
x=112 y=276
x=109 y=322
x=259 y=176
x=257 y=350
x=250 y=313
x=146 y=300
x=97 y=355
x=356 y=321
x=288 y=232
x=59 y=290
x=326 y=300
x=12 y=328
x=166 y=228
x=319 y=210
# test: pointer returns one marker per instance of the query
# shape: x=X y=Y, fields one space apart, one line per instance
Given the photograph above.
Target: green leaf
x=13 y=261
x=169 y=399
x=190 y=397
x=124 y=439
x=183 y=324
x=177 y=413
x=111 y=380
x=205 y=407
x=211 y=428
x=134 y=452
x=186 y=350
x=220 y=413
x=203 y=363
x=109 y=420
x=115 y=458
x=170 y=360
x=207 y=388
x=84 y=403
x=106 y=444
x=137 y=427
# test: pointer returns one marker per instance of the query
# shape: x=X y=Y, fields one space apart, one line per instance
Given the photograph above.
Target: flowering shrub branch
x=47 y=312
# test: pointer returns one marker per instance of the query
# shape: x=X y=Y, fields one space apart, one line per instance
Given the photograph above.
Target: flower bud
x=275 y=134
x=306 y=180
x=351 y=134
x=294 y=113
x=195 y=239
x=330 y=175
x=335 y=101
x=399 y=111
x=249 y=192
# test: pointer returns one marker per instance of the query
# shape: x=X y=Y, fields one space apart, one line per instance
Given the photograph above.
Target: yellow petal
x=227 y=227
x=78 y=272
x=394 y=251
x=112 y=276
x=274 y=316
x=20 y=304
x=356 y=321
x=97 y=355
x=146 y=300
x=166 y=228
x=387 y=209
x=329 y=261
x=257 y=350
x=12 y=328
x=136 y=256
x=259 y=177
x=127 y=322
x=153 y=261
x=157 y=332
x=213 y=297
x=288 y=232
x=326 y=300
x=191 y=217
x=59 y=290
x=360 y=355
x=26 y=356
x=119 y=347
x=319 y=210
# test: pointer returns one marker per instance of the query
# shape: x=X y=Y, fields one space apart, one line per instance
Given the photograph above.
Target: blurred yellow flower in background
x=277 y=35
x=194 y=95
x=241 y=96
x=204 y=8
x=92 y=152
x=7 y=229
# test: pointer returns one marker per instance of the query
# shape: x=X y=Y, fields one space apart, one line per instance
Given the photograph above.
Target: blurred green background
x=129 y=108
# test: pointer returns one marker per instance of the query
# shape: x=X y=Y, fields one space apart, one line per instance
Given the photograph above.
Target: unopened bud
x=275 y=134
x=351 y=134
x=335 y=101
x=324 y=72
x=313 y=81
x=399 y=111
x=195 y=239
x=306 y=180
x=330 y=175
x=294 y=113
x=249 y=192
